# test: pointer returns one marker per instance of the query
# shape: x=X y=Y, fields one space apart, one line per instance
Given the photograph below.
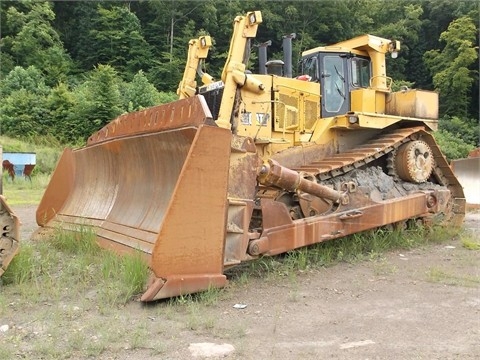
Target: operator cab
x=338 y=73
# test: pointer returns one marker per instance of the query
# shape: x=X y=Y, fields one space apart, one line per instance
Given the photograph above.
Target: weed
x=294 y=295
x=109 y=266
x=210 y=296
x=157 y=349
x=470 y=243
x=297 y=260
x=239 y=331
x=48 y=350
x=197 y=320
x=438 y=275
x=22 y=266
x=194 y=318
x=95 y=348
x=169 y=312
x=7 y=353
x=80 y=240
x=138 y=337
x=382 y=267
x=243 y=278
x=75 y=340
x=122 y=277
x=134 y=271
x=70 y=263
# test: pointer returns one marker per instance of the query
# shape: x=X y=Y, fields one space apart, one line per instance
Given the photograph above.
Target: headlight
x=352 y=119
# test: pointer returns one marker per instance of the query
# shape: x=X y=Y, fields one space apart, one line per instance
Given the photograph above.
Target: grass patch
x=29 y=191
x=22 y=267
x=383 y=268
x=81 y=241
x=122 y=277
x=438 y=275
x=197 y=320
x=23 y=191
x=470 y=243
x=70 y=264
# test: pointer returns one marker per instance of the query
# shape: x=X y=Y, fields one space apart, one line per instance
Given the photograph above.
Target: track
x=383 y=145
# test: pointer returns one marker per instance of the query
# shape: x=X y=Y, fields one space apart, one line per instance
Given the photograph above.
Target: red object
x=304 y=77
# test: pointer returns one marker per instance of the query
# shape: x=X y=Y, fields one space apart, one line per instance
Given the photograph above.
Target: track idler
x=413 y=161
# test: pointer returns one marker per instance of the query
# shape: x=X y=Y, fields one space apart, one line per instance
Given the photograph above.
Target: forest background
x=69 y=67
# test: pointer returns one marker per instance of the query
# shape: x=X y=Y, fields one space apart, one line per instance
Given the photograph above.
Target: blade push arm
x=233 y=74
x=197 y=53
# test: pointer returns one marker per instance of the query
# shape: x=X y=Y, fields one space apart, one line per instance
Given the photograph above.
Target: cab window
x=310 y=68
x=360 y=72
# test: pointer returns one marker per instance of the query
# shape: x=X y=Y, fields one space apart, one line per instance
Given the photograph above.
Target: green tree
x=97 y=102
x=168 y=26
x=452 y=146
x=404 y=25
x=60 y=104
x=140 y=93
x=117 y=40
x=463 y=130
x=30 y=79
x=34 y=41
x=23 y=110
x=450 y=67
x=23 y=114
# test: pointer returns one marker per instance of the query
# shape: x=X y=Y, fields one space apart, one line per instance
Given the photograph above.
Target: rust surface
x=191 y=239
x=163 y=194
x=59 y=188
x=9 y=237
x=158 y=188
x=186 y=112
x=244 y=163
x=8 y=167
x=182 y=285
x=290 y=180
x=281 y=234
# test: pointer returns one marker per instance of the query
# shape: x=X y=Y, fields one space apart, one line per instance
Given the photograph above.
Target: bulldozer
x=9 y=238
x=254 y=165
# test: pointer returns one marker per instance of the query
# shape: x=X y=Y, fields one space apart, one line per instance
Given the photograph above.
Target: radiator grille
x=286 y=111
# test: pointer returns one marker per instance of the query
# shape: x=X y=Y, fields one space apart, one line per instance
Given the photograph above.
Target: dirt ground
x=418 y=304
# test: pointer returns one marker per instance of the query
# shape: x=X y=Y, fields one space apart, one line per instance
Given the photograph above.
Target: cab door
x=334 y=84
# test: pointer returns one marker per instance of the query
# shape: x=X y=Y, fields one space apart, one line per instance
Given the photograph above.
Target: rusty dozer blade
x=9 y=236
x=143 y=183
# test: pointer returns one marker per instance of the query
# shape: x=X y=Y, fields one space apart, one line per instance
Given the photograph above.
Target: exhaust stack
x=287 y=54
x=262 y=57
